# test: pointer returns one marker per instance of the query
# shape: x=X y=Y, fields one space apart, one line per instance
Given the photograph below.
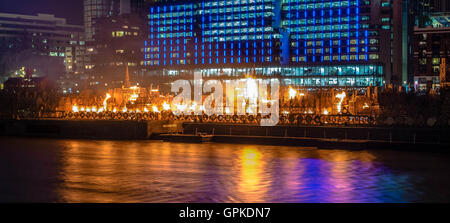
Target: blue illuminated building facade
x=320 y=43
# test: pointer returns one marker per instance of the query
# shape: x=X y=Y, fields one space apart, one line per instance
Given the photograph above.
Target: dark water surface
x=52 y=170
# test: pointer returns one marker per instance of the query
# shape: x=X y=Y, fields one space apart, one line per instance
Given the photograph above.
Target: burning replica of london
x=339 y=106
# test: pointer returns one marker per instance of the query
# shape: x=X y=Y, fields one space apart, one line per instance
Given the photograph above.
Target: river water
x=54 y=170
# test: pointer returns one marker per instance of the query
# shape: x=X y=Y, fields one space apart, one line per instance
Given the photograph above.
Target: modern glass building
x=306 y=42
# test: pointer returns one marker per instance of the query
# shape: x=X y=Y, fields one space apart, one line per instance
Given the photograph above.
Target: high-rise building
x=95 y=12
x=43 y=42
x=118 y=47
x=94 y=9
x=431 y=56
x=308 y=42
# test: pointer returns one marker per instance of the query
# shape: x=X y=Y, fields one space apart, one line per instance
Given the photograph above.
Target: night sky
x=72 y=10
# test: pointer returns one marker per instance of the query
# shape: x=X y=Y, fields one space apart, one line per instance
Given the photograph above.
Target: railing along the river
x=284 y=119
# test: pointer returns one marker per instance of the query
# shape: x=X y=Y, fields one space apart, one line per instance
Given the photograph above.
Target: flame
x=125 y=109
x=341 y=96
x=181 y=107
x=100 y=110
x=75 y=108
x=325 y=112
x=146 y=110
x=115 y=110
x=82 y=109
x=194 y=106
x=292 y=93
x=94 y=109
x=88 y=109
x=105 y=104
x=155 y=109
x=365 y=106
x=166 y=106
x=134 y=96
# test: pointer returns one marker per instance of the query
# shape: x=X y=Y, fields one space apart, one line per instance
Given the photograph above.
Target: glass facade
x=313 y=42
x=327 y=31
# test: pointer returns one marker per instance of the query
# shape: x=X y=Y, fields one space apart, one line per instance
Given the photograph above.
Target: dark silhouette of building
x=431 y=56
x=117 y=45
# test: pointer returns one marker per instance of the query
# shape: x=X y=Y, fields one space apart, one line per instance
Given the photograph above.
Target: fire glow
x=341 y=98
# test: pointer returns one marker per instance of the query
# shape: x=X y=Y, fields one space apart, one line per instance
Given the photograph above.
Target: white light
x=166 y=107
x=292 y=93
x=75 y=108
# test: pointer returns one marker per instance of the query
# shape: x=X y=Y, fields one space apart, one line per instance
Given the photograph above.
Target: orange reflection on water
x=77 y=173
x=251 y=185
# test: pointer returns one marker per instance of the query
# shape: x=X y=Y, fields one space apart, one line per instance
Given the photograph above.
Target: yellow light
x=325 y=112
x=88 y=109
x=82 y=109
x=75 y=108
x=146 y=110
x=155 y=109
x=124 y=110
x=166 y=106
x=100 y=110
x=105 y=103
x=94 y=109
x=365 y=106
x=193 y=106
x=181 y=107
x=115 y=110
x=133 y=97
x=341 y=96
x=227 y=110
x=292 y=93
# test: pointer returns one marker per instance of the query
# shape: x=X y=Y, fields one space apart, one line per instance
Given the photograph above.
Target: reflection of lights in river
x=251 y=184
